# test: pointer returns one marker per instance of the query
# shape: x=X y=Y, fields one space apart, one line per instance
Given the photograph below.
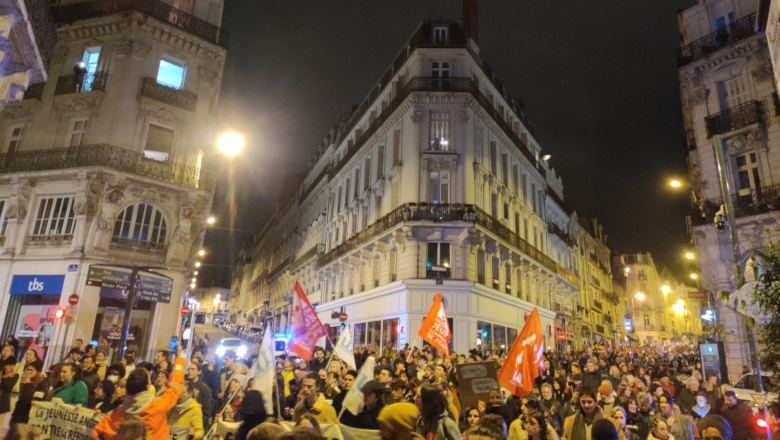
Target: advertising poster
x=35 y=327
x=475 y=382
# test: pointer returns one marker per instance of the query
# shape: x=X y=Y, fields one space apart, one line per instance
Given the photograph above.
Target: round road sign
x=185 y=311
x=343 y=317
x=73 y=299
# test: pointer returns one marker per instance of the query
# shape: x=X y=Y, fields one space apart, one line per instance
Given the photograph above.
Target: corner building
x=102 y=166
x=434 y=184
x=727 y=89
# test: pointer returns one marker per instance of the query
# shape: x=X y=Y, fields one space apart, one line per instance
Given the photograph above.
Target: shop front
x=31 y=308
x=108 y=322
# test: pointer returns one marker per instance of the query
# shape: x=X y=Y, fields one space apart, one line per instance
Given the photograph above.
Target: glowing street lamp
x=197 y=264
x=640 y=296
x=689 y=255
x=230 y=143
x=694 y=276
x=192 y=285
x=202 y=252
x=665 y=289
x=674 y=183
x=211 y=220
x=546 y=157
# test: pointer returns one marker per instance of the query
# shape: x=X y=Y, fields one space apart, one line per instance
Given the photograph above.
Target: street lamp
x=202 y=252
x=546 y=157
x=230 y=143
x=197 y=264
x=694 y=276
x=674 y=183
x=211 y=220
x=665 y=289
x=689 y=255
x=640 y=296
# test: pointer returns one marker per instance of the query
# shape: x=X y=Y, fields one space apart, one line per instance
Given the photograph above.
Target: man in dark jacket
x=739 y=416
x=89 y=373
x=346 y=384
x=318 y=362
x=373 y=402
x=591 y=377
x=204 y=398
x=688 y=395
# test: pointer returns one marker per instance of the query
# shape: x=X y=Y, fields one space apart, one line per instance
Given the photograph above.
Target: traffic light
x=343 y=325
x=399 y=328
x=59 y=313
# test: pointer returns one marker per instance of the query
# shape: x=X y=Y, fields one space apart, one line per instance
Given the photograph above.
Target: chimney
x=471 y=20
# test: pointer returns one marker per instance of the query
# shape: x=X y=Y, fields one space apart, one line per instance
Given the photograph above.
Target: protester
x=714 y=426
x=252 y=411
x=604 y=429
x=34 y=388
x=433 y=419
x=230 y=368
x=702 y=408
x=660 y=430
x=202 y=393
x=313 y=401
x=681 y=427
x=576 y=427
x=186 y=417
x=102 y=397
x=71 y=389
x=739 y=416
x=470 y=418
x=228 y=407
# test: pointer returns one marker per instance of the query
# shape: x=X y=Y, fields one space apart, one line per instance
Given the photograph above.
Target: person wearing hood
x=185 y=419
x=397 y=422
x=702 y=408
x=606 y=397
x=142 y=403
x=577 y=427
x=253 y=411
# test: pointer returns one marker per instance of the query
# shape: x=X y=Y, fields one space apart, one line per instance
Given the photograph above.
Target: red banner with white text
x=305 y=326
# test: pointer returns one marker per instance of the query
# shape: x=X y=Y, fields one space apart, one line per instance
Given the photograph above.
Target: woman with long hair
x=411 y=389
x=535 y=424
x=7 y=383
x=102 y=398
x=34 y=387
x=470 y=418
x=680 y=425
x=433 y=419
x=101 y=362
x=660 y=429
x=288 y=374
x=234 y=387
x=619 y=417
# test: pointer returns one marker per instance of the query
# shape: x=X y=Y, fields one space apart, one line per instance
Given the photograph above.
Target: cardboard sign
x=475 y=382
x=58 y=421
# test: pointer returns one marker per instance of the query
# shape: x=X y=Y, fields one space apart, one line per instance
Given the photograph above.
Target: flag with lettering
x=305 y=327
x=354 y=398
x=344 y=349
x=435 y=328
x=524 y=359
x=263 y=371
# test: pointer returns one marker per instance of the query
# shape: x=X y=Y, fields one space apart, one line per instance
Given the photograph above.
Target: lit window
x=440 y=131
x=438 y=260
x=140 y=225
x=15 y=139
x=90 y=59
x=439 y=187
x=171 y=74
x=55 y=217
x=159 y=141
x=77 y=133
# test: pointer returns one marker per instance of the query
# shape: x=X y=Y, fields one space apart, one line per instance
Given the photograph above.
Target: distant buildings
x=728 y=89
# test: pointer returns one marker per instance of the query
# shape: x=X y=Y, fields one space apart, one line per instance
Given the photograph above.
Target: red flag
x=435 y=328
x=304 y=325
x=522 y=364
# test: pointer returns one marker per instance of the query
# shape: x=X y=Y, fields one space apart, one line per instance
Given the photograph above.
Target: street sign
x=760 y=399
x=697 y=295
x=73 y=299
x=149 y=286
x=343 y=317
x=185 y=311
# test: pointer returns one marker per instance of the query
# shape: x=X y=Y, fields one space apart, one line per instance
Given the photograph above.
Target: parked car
x=232 y=344
x=747 y=385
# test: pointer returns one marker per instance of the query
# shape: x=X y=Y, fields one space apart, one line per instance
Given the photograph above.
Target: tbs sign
x=37 y=284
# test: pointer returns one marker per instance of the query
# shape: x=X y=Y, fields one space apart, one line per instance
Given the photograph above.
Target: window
x=171 y=73
x=55 y=217
x=15 y=140
x=478 y=143
x=90 y=59
x=78 y=130
x=438 y=260
x=140 y=225
x=440 y=70
x=366 y=173
x=440 y=131
x=356 y=184
x=748 y=174
x=723 y=20
x=508 y=281
x=494 y=205
x=480 y=194
x=496 y=274
x=504 y=170
x=493 y=158
x=3 y=217
x=396 y=146
x=440 y=35
x=514 y=178
x=647 y=320
x=159 y=141
x=517 y=223
x=380 y=162
x=525 y=187
x=439 y=187
x=533 y=196
x=733 y=93
x=506 y=210
x=378 y=207
x=481 y=266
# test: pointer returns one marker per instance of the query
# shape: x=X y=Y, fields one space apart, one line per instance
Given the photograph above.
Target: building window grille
x=140 y=225
x=55 y=217
x=440 y=131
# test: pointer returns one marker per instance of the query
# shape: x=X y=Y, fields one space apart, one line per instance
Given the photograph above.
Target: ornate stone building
x=727 y=89
x=101 y=165
x=434 y=184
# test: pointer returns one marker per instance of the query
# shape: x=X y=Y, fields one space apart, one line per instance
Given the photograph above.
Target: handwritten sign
x=58 y=421
x=475 y=382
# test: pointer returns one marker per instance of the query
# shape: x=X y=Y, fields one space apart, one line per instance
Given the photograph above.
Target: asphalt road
x=215 y=334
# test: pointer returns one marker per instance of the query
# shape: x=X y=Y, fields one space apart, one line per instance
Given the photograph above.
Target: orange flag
x=522 y=364
x=305 y=326
x=435 y=328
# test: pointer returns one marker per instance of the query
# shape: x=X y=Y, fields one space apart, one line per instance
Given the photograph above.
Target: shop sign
x=697 y=295
x=37 y=284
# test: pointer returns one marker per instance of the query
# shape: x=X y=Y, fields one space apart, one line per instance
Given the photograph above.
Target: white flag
x=264 y=371
x=344 y=349
x=354 y=398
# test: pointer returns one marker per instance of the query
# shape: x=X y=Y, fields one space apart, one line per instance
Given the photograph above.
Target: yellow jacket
x=189 y=417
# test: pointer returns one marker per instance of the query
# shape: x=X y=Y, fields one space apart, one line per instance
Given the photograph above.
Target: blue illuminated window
x=171 y=74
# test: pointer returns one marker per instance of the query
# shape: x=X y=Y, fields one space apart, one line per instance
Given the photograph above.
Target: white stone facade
x=111 y=157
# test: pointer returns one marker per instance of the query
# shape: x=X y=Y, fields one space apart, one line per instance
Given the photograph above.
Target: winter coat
x=224 y=378
x=28 y=393
x=73 y=393
x=741 y=419
x=687 y=399
x=516 y=432
x=571 y=422
x=321 y=410
x=183 y=419
x=154 y=412
x=438 y=426
x=206 y=402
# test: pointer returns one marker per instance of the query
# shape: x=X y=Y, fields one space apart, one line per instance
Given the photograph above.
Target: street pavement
x=215 y=335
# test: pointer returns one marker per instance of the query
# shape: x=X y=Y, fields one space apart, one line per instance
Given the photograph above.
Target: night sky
x=598 y=79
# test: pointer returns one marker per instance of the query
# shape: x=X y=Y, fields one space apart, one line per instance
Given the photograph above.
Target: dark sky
x=598 y=79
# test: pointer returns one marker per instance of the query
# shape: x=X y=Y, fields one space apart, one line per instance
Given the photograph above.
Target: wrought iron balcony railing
x=34 y=91
x=176 y=97
x=759 y=201
x=39 y=12
x=600 y=329
x=690 y=140
x=734 y=118
x=720 y=39
x=552 y=228
x=311 y=253
x=138 y=245
x=87 y=82
x=153 y=8
x=109 y=156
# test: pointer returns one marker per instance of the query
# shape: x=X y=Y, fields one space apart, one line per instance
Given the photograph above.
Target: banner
x=344 y=349
x=522 y=364
x=305 y=325
x=58 y=421
x=264 y=372
x=435 y=329
x=475 y=382
x=354 y=398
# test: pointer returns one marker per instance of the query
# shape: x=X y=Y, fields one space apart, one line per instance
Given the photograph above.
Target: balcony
x=138 y=245
x=311 y=253
x=595 y=281
x=734 y=118
x=168 y=95
x=34 y=91
x=690 y=140
x=597 y=305
x=720 y=39
x=600 y=329
x=760 y=201
x=154 y=8
x=89 y=82
x=109 y=156
x=612 y=297
x=552 y=228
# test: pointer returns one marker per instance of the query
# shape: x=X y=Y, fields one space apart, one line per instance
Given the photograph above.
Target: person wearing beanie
x=606 y=397
x=603 y=429
x=713 y=425
x=397 y=422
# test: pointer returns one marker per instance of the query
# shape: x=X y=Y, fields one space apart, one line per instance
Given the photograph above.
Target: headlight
x=221 y=350
x=241 y=351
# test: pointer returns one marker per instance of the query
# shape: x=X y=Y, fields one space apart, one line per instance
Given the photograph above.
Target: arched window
x=140 y=226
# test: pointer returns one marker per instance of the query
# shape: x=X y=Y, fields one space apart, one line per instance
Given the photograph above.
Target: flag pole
x=278 y=399
x=411 y=348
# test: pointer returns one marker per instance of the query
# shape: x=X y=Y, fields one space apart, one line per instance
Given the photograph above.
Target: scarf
x=701 y=410
x=181 y=406
x=578 y=431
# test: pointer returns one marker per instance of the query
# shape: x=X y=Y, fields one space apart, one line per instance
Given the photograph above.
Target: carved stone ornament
x=762 y=73
x=148 y=194
x=463 y=111
x=162 y=113
x=417 y=111
x=698 y=96
x=93 y=42
x=439 y=164
x=207 y=75
x=750 y=141
x=21 y=190
x=115 y=193
x=20 y=110
x=127 y=46
x=76 y=104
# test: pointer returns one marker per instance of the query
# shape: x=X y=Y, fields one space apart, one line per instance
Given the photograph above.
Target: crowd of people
x=621 y=394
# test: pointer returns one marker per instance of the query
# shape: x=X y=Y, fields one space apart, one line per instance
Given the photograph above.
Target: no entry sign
x=185 y=311
x=73 y=299
x=343 y=317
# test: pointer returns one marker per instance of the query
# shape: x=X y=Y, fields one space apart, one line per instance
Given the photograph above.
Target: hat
x=603 y=429
x=400 y=418
x=605 y=389
x=717 y=422
x=373 y=385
